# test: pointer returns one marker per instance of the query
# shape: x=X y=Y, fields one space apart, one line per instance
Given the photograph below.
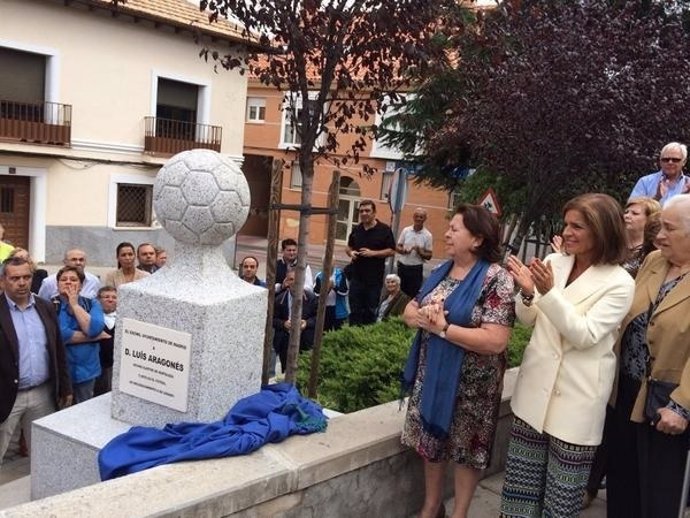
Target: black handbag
x=658 y=396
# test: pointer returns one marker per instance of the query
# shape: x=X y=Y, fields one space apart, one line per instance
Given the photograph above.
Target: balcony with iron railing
x=167 y=137
x=36 y=123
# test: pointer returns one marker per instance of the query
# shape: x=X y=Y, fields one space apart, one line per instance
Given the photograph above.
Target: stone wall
x=356 y=468
x=99 y=243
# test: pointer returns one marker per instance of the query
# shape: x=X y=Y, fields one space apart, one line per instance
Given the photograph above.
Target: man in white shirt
x=413 y=248
x=76 y=258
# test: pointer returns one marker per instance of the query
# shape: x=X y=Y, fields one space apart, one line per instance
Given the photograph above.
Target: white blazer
x=568 y=368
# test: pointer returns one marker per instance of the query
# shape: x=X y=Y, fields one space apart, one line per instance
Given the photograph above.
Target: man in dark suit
x=34 y=378
x=281 y=319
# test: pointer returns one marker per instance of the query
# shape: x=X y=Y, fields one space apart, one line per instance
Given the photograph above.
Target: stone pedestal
x=188 y=340
x=225 y=317
x=65 y=446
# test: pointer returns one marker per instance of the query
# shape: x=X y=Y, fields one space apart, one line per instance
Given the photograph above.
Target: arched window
x=350 y=195
x=349 y=187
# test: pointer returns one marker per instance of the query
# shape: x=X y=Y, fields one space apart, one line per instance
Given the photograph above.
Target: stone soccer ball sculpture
x=201 y=197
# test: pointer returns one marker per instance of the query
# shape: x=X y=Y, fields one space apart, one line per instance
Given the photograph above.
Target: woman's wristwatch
x=526 y=299
x=442 y=334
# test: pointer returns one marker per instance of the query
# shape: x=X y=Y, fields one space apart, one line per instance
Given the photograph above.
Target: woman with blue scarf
x=464 y=313
x=81 y=324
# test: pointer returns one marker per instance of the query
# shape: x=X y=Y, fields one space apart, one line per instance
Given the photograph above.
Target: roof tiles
x=178 y=13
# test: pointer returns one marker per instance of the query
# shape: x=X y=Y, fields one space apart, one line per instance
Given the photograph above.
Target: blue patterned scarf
x=443 y=359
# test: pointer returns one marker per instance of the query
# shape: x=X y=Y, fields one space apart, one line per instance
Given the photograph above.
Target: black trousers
x=364 y=299
x=281 y=342
x=330 y=322
x=599 y=465
x=645 y=467
x=411 y=278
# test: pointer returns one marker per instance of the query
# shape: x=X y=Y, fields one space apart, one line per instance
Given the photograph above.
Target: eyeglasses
x=667 y=159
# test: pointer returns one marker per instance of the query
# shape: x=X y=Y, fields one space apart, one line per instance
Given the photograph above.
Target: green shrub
x=518 y=341
x=360 y=366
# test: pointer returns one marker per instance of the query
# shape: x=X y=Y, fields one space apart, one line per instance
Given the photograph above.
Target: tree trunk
x=328 y=265
x=522 y=226
x=302 y=240
x=271 y=258
x=510 y=228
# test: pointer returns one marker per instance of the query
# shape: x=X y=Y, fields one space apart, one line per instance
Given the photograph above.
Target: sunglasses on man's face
x=670 y=159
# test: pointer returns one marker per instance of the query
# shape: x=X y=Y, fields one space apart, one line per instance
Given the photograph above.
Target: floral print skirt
x=472 y=431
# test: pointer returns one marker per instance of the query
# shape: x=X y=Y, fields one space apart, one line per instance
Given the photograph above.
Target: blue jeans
x=83 y=391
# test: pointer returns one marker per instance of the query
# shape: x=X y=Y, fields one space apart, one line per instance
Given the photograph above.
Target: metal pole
x=396 y=209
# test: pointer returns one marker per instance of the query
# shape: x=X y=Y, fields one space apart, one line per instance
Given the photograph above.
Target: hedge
x=361 y=366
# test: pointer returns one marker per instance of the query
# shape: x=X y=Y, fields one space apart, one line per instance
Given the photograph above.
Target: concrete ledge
x=221 y=487
x=356 y=468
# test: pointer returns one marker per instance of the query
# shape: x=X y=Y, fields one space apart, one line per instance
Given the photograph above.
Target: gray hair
x=677 y=146
x=393 y=277
x=682 y=201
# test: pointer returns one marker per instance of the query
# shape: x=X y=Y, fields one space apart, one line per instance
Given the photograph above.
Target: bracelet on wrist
x=442 y=334
x=527 y=299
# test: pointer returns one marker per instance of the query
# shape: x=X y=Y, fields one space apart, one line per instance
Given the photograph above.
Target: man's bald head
x=75 y=257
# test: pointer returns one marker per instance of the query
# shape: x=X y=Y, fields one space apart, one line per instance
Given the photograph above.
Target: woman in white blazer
x=576 y=302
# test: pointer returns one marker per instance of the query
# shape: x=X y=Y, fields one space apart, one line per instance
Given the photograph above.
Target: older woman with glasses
x=648 y=432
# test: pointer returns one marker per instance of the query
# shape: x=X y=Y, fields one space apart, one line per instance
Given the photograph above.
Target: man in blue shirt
x=34 y=379
x=77 y=258
x=669 y=181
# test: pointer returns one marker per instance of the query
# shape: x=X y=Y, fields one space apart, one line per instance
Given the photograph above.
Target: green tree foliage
x=339 y=58
x=550 y=99
x=361 y=366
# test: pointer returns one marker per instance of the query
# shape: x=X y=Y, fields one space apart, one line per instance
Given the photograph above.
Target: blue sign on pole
x=397 y=194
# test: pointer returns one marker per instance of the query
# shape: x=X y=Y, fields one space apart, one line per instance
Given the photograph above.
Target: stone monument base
x=65 y=446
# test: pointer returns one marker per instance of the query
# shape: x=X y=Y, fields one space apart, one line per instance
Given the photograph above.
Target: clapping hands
x=538 y=275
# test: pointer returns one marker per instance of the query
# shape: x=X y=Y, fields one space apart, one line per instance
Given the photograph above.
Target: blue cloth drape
x=443 y=359
x=273 y=414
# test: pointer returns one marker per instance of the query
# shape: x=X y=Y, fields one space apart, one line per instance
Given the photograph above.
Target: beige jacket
x=668 y=331
x=115 y=278
x=569 y=366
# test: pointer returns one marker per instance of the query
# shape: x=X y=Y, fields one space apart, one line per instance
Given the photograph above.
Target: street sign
x=489 y=201
x=397 y=193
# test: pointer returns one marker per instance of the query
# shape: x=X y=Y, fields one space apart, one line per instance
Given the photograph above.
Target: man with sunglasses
x=669 y=180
